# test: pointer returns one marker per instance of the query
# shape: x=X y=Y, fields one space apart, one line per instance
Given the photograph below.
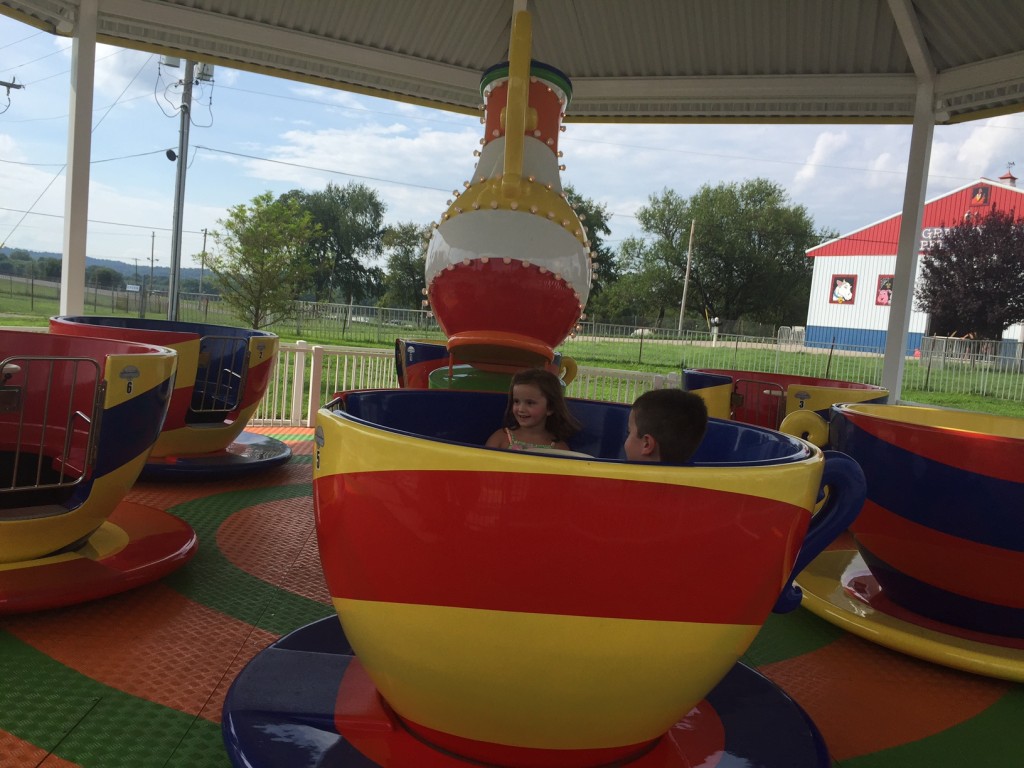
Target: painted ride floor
x=139 y=679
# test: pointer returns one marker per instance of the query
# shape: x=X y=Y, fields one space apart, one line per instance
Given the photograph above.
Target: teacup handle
x=847 y=491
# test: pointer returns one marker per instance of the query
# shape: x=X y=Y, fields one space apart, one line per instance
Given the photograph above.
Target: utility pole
x=9 y=85
x=179 y=190
x=202 y=263
x=136 y=260
x=152 y=248
x=686 y=277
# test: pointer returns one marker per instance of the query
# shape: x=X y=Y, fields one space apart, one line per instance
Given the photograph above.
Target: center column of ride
x=508 y=268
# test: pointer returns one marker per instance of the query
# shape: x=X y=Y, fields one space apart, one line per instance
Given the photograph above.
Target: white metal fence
x=307 y=376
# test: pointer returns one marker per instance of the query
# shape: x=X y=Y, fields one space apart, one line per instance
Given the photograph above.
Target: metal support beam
x=174 y=286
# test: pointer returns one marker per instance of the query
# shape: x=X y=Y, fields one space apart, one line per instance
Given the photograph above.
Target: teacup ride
x=939 y=558
x=541 y=609
x=223 y=373
x=78 y=417
x=796 y=405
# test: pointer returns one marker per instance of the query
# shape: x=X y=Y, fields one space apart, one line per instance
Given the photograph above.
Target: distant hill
x=128 y=270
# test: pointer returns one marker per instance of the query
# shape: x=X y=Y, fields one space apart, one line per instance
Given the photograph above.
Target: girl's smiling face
x=530 y=406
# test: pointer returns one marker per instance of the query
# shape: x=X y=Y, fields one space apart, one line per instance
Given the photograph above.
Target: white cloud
x=846 y=176
x=825 y=146
x=963 y=153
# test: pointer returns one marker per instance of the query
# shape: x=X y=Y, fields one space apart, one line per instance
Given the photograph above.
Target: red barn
x=853 y=274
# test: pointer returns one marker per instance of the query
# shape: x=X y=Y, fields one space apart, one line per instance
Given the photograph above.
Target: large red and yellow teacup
x=78 y=417
x=542 y=610
x=223 y=373
x=797 y=405
x=942 y=529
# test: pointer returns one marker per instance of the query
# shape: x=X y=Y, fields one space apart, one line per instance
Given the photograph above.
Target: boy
x=665 y=425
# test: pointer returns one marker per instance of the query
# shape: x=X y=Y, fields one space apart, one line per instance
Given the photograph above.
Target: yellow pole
x=521 y=40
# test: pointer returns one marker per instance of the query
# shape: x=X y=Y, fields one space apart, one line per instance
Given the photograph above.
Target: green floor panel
x=993 y=739
x=784 y=636
x=81 y=720
x=41 y=700
x=211 y=579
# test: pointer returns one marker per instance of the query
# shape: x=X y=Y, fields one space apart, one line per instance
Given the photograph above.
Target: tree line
x=19 y=262
x=747 y=262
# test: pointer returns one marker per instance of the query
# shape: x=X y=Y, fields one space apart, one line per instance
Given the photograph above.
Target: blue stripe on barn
x=861 y=338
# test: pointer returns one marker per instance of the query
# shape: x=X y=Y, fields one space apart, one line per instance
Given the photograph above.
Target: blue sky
x=252 y=133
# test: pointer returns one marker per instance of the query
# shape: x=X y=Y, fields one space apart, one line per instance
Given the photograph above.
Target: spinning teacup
x=78 y=417
x=942 y=527
x=222 y=375
x=545 y=609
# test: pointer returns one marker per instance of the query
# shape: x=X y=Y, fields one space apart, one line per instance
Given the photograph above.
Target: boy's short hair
x=675 y=418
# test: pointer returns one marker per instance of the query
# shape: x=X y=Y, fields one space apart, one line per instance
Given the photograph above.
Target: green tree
x=641 y=293
x=595 y=218
x=350 y=226
x=405 y=246
x=257 y=259
x=48 y=268
x=18 y=262
x=748 y=255
x=972 y=277
x=104 y=277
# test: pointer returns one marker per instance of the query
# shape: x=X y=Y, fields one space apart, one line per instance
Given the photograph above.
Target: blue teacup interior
x=471 y=417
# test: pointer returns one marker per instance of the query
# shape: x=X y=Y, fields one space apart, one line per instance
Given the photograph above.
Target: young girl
x=536 y=415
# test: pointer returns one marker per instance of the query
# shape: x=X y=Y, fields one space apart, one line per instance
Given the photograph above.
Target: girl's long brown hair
x=560 y=422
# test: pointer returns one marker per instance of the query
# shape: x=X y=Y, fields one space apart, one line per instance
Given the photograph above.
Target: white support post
x=909 y=242
x=298 y=384
x=76 y=191
x=316 y=375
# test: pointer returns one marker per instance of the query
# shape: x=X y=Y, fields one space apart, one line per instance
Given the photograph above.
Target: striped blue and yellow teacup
x=942 y=529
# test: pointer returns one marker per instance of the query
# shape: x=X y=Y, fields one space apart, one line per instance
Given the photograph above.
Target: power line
x=57 y=175
x=46 y=56
x=91 y=162
x=100 y=221
x=22 y=40
x=324 y=170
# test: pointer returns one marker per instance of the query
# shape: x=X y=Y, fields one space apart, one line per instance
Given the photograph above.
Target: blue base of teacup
x=945 y=606
x=296 y=704
x=248 y=454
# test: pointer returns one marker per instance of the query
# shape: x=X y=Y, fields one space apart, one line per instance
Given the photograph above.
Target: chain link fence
x=946 y=365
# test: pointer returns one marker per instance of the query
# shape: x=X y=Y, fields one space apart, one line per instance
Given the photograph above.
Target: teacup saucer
x=305 y=701
x=249 y=453
x=134 y=546
x=839 y=588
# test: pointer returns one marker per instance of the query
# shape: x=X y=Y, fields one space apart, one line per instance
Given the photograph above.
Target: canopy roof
x=671 y=60
x=924 y=62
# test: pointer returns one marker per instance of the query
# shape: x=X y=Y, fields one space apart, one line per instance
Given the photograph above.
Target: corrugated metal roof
x=880 y=239
x=708 y=60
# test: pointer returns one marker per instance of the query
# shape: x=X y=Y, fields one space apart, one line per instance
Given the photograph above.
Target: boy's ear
x=648 y=445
